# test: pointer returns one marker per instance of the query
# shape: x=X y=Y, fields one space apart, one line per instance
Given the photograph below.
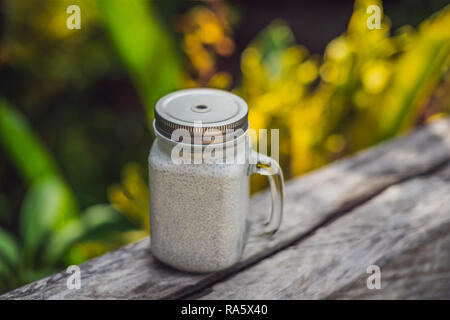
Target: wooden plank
x=132 y=273
x=405 y=231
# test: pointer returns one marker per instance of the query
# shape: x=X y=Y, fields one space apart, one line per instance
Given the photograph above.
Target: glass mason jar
x=199 y=168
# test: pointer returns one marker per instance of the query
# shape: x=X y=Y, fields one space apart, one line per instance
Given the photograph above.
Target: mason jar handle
x=267 y=166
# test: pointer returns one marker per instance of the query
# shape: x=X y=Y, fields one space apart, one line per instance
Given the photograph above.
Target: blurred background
x=76 y=105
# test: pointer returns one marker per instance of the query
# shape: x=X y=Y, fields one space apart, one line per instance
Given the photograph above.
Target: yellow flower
x=307 y=72
x=131 y=197
x=335 y=143
x=211 y=32
x=221 y=80
x=250 y=59
x=375 y=77
x=293 y=56
x=337 y=49
x=257 y=120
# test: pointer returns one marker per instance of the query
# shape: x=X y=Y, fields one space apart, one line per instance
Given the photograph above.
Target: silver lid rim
x=167 y=139
x=166 y=123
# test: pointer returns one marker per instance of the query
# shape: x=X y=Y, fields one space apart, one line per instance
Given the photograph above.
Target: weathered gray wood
x=132 y=273
x=405 y=231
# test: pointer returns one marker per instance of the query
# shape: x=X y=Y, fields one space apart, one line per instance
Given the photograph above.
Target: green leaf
x=145 y=48
x=48 y=207
x=95 y=223
x=418 y=72
x=9 y=250
x=23 y=146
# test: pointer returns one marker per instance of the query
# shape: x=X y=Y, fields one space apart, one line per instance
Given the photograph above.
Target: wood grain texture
x=311 y=201
x=405 y=231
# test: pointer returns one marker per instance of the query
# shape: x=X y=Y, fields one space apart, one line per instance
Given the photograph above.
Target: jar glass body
x=198 y=211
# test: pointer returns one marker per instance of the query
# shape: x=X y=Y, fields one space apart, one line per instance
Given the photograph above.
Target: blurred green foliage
x=75 y=91
x=145 y=48
x=367 y=87
x=52 y=231
x=50 y=221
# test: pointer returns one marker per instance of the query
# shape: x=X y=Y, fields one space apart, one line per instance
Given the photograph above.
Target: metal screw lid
x=201 y=111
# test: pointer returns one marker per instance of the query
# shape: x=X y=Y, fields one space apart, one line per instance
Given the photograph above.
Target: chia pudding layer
x=197 y=211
